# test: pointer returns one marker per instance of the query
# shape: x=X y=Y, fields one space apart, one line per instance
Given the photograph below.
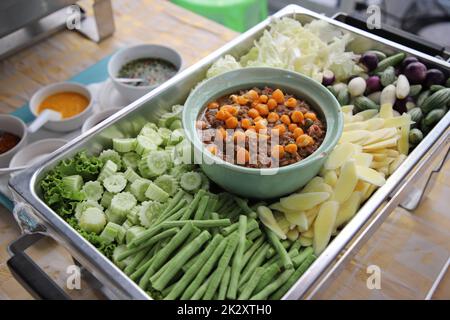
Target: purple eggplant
x=373 y=84
x=328 y=78
x=370 y=60
x=407 y=61
x=416 y=72
x=434 y=76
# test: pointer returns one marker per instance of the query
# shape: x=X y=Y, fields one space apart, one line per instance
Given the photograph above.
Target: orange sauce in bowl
x=69 y=104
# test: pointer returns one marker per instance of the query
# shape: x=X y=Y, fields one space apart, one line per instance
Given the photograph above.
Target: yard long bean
x=237 y=258
x=224 y=284
x=272 y=287
x=273 y=238
x=197 y=223
x=250 y=286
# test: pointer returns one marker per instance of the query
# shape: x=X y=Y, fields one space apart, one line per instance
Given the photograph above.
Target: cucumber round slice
x=148 y=126
x=109 y=168
x=153 y=135
x=156 y=193
x=92 y=220
x=144 y=145
x=106 y=199
x=138 y=188
x=168 y=183
x=124 y=144
x=176 y=125
x=115 y=183
x=110 y=232
x=121 y=203
x=154 y=164
x=93 y=190
x=112 y=155
x=82 y=206
x=132 y=232
x=130 y=175
x=130 y=160
x=164 y=133
x=191 y=181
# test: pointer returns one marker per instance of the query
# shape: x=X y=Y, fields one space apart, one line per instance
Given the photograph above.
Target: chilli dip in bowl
x=260 y=128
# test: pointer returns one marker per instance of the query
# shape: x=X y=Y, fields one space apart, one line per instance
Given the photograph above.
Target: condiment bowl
x=263 y=183
x=15 y=126
x=127 y=54
x=68 y=124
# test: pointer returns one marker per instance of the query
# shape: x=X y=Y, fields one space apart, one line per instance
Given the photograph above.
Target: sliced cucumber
x=115 y=183
x=164 y=133
x=144 y=145
x=106 y=199
x=82 y=206
x=152 y=135
x=191 y=181
x=92 y=220
x=130 y=175
x=156 y=193
x=93 y=190
x=124 y=144
x=154 y=164
x=130 y=160
x=112 y=155
x=121 y=204
x=168 y=183
x=132 y=232
x=138 y=188
x=109 y=168
x=72 y=183
x=133 y=215
x=110 y=232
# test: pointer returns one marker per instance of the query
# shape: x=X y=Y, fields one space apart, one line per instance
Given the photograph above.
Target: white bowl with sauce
x=136 y=52
x=12 y=125
x=69 y=123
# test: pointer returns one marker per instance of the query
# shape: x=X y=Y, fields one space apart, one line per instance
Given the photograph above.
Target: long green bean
x=193 y=205
x=250 y=286
x=224 y=282
x=181 y=204
x=298 y=260
x=252 y=235
x=222 y=265
x=251 y=251
x=276 y=243
x=199 y=214
x=197 y=223
x=194 y=270
x=236 y=266
x=175 y=264
x=254 y=263
x=135 y=262
x=293 y=278
x=214 y=216
x=199 y=294
x=173 y=202
x=272 y=287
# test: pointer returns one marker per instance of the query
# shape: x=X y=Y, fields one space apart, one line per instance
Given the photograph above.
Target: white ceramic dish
x=131 y=53
x=68 y=124
x=15 y=126
x=96 y=118
x=35 y=152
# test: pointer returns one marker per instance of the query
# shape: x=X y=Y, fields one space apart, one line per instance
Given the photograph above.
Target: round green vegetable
x=415 y=136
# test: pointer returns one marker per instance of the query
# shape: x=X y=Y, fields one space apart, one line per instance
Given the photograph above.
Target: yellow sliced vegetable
x=356 y=136
x=312 y=184
x=346 y=182
x=339 y=156
x=267 y=218
x=382 y=144
x=348 y=209
x=324 y=225
x=363 y=159
x=330 y=177
x=370 y=175
x=305 y=242
x=292 y=234
x=304 y=201
x=386 y=111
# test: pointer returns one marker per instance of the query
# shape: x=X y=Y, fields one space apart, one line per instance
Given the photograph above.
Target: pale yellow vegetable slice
x=381 y=145
x=348 y=209
x=267 y=218
x=403 y=142
x=384 y=170
x=392 y=153
x=312 y=214
x=312 y=184
x=397 y=122
x=324 y=225
x=305 y=242
x=303 y=201
x=396 y=163
x=330 y=178
x=292 y=234
x=347 y=108
x=348 y=118
x=352 y=126
x=346 y=182
x=309 y=233
x=298 y=219
x=356 y=136
x=374 y=124
x=340 y=154
x=277 y=206
x=284 y=224
x=362 y=186
x=322 y=187
x=369 y=192
x=386 y=111
x=379 y=156
x=380 y=164
x=368 y=114
x=370 y=175
x=380 y=135
x=363 y=159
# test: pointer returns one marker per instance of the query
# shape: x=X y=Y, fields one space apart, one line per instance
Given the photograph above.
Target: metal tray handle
x=29 y=274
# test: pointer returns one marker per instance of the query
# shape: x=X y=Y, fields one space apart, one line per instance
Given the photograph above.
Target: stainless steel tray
x=35 y=216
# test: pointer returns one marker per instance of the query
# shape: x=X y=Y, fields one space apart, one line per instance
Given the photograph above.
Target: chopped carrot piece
x=272 y=104
x=277 y=151
x=292 y=127
x=281 y=128
x=223 y=115
x=242 y=156
x=253 y=95
x=297 y=116
x=231 y=122
x=298 y=132
x=239 y=136
x=285 y=119
x=212 y=148
x=246 y=123
x=291 y=148
x=278 y=95
x=263 y=98
x=291 y=103
x=273 y=117
x=304 y=140
x=242 y=100
x=311 y=115
x=253 y=113
x=213 y=105
x=262 y=109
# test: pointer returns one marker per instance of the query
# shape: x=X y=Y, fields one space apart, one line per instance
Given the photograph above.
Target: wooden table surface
x=409 y=248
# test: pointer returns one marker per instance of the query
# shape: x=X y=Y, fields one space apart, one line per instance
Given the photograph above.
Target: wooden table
x=409 y=248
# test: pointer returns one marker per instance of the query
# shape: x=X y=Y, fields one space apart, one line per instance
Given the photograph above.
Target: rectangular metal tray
x=35 y=216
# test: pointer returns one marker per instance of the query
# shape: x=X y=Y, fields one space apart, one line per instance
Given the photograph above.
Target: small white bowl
x=68 y=124
x=35 y=152
x=15 y=126
x=96 y=118
x=125 y=55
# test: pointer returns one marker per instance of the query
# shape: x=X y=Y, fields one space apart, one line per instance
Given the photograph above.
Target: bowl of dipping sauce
x=154 y=64
x=72 y=100
x=13 y=135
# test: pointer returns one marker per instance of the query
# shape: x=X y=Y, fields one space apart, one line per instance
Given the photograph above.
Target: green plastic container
x=239 y=15
x=270 y=182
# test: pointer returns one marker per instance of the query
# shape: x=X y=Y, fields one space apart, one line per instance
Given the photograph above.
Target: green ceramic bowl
x=269 y=182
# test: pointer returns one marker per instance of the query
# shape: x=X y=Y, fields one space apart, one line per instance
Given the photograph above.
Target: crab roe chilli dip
x=260 y=128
